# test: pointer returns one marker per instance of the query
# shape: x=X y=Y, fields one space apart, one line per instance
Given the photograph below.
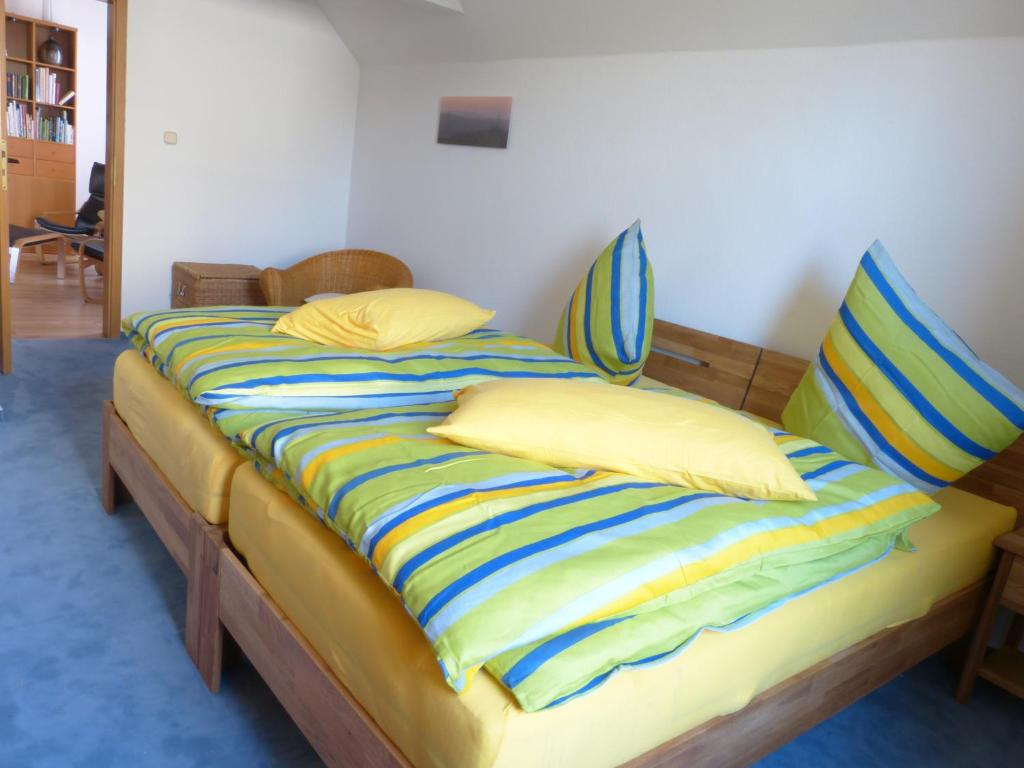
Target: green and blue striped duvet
x=227 y=357
x=552 y=579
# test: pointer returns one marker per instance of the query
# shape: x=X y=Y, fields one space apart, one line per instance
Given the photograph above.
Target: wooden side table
x=1004 y=666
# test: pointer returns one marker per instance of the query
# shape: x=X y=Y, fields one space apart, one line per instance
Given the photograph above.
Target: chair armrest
x=63 y=229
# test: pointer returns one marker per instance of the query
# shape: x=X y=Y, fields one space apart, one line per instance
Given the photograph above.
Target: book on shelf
x=48 y=87
x=23 y=124
x=66 y=98
x=20 y=121
x=55 y=129
x=18 y=86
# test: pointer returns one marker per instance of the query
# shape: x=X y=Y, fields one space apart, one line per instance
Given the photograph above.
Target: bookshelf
x=41 y=133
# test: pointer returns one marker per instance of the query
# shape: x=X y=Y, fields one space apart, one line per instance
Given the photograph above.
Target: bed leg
x=112 y=490
x=204 y=634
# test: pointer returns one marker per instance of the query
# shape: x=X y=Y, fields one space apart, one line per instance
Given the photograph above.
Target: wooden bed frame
x=222 y=594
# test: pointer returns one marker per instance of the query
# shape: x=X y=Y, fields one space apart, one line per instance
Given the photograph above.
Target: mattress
x=379 y=653
x=189 y=450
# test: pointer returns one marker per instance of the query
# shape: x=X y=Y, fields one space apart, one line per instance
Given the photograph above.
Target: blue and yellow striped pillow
x=894 y=386
x=608 y=322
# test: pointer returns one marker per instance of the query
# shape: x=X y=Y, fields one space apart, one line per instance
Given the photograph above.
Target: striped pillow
x=608 y=321
x=893 y=385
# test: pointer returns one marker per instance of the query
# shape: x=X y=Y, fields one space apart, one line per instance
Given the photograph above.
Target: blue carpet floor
x=93 y=669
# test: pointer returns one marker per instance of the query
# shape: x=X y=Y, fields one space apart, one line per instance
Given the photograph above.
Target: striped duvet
x=227 y=357
x=552 y=579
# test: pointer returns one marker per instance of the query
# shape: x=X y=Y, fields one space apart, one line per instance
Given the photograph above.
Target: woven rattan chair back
x=349 y=271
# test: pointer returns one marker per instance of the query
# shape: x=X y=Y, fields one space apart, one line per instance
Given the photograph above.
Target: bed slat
x=712 y=366
x=776 y=377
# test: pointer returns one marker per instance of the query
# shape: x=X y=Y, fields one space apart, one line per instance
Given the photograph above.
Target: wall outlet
x=170 y=137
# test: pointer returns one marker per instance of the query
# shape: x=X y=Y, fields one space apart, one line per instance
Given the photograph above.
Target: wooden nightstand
x=1005 y=666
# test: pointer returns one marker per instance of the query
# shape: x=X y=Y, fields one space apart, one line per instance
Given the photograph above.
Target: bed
x=337 y=689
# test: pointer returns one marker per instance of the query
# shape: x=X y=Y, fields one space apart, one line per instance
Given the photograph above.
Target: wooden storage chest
x=197 y=284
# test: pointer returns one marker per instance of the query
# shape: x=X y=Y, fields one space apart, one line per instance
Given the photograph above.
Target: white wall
x=761 y=177
x=414 y=31
x=90 y=17
x=262 y=94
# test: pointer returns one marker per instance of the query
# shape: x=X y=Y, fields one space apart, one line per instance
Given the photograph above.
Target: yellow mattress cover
x=187 y=448
x=375 y=648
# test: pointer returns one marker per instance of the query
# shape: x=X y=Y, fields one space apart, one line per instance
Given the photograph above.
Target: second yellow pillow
x=647 y=434
x=385 y=319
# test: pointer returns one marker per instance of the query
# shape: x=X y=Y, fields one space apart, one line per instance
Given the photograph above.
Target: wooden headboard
x=760 y=381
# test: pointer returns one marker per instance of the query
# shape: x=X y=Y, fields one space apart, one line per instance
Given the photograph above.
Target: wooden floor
x=44 y=307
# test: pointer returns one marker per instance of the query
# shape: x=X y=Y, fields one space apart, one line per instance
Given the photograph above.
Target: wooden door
x=6 y=361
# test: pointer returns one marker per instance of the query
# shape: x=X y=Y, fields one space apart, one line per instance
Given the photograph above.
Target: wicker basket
x=196 y=284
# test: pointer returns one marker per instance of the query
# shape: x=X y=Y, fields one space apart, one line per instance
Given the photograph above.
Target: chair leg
x=81 y=278
x=83 y=262
x=61 y=259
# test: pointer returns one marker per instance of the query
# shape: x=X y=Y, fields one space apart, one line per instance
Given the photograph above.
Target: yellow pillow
x=648 y=434
x=385 y=319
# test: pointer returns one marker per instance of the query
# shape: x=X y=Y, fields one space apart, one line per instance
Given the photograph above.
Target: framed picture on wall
x=475 y=121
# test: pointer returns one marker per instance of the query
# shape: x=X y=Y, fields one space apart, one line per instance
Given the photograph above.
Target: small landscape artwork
x=475 y=121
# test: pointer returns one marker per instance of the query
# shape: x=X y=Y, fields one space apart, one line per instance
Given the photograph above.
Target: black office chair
x=88 y=216
x=87 y=233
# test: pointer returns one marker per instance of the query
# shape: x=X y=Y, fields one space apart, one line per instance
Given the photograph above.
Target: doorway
x=64 y=136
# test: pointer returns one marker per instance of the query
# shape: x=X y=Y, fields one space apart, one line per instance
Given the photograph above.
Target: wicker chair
x=335 y=271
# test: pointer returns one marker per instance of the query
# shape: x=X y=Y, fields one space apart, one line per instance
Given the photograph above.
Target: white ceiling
x=411 y=31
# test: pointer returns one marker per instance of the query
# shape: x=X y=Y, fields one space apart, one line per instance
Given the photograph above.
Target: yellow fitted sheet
x=186 y=447
x=377 y=651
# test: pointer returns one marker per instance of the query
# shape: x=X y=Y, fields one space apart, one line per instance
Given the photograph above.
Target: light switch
x=170 y=137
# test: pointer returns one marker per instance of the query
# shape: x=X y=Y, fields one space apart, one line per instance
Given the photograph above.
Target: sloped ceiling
x=411 y=31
